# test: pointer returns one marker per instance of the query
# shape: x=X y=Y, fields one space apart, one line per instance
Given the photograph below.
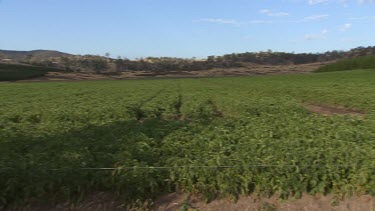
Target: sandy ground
x=249 y=70
x=327 y=110
x=175 y=201
x=178 y=202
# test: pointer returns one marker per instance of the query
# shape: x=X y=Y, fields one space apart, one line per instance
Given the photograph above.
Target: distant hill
x=25 y=56
x=105 y=64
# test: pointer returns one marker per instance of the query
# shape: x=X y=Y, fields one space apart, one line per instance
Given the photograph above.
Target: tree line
x=102 y=64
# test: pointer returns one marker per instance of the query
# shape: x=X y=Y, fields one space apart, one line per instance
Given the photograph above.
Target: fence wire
x=196 y=167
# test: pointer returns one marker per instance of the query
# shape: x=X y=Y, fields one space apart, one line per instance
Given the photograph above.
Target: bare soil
x=326 y=110
x=177 y=202
x=249 y=70
x=174 y=201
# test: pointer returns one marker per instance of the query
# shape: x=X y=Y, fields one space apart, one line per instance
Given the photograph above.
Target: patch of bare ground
x=94 y=202
x=174 y=202
x=247 y=70
x=326 y=110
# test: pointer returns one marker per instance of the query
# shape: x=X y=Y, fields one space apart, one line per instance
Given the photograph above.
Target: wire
x=197 y=167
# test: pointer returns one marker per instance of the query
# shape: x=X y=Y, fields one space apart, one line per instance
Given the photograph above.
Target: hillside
x=166 y=65
x=26 y=56
x=100 y=64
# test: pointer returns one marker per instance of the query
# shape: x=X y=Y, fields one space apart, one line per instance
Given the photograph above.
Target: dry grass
x=249 y=70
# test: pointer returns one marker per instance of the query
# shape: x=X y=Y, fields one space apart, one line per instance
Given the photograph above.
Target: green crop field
x=215 y=136
x=14 y=72
x=363 y=62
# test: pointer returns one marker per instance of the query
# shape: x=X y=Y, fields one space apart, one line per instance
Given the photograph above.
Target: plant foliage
x=218 y=136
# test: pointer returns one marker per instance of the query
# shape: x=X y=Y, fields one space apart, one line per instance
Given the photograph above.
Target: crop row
x=219 y=137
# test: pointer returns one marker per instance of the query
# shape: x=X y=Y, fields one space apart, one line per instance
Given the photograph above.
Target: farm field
x=215 y=136
x=247 y=70
x=14 y=72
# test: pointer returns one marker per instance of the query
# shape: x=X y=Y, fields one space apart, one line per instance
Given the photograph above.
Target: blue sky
x=185 y=28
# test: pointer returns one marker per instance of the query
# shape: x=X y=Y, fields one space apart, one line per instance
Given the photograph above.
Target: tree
x=99 y=65
x=119 y=64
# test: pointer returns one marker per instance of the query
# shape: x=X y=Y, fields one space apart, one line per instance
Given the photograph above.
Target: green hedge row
x=365 y=62
x=13 y=72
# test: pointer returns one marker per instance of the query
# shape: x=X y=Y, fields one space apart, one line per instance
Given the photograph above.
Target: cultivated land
x=247 y=70
x=14 y=72
x=220 y=137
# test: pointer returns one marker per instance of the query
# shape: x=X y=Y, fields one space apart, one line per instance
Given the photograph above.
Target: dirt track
x=174 y=202
x=177 y=202
x=326 y=110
